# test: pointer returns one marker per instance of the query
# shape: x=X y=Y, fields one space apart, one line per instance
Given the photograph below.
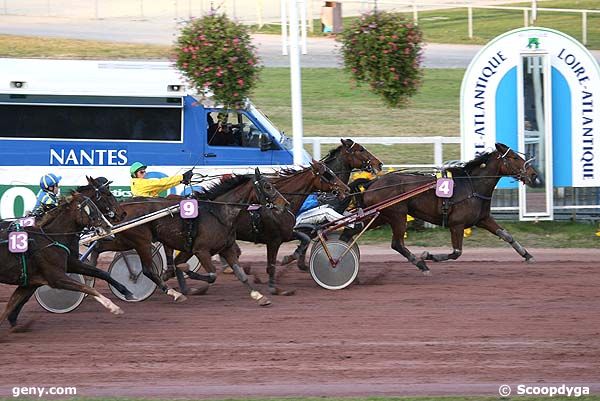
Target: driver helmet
x=49 y=180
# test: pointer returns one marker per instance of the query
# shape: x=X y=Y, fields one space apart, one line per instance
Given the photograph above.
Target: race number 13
x=17 y=241
x=444 y=187
x=188 y=209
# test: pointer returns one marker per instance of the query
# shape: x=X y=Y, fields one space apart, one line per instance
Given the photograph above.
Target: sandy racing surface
x=476 y=323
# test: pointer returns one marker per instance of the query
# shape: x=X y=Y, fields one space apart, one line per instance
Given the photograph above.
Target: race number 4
x=444 y=187
x=188 y=209
x=18 y=241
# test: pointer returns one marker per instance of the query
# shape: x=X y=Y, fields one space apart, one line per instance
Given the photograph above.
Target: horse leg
x=492 y=226
x=456 y=233
x=272 y=249
x=170 y=270
x=231 y=255
x=74 y=265
x=15 y=303
x=145 y=254
x=12 y=317
x=64 y=282
x=398 y=224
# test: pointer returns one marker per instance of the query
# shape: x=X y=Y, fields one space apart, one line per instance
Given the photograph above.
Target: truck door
x=235 y=139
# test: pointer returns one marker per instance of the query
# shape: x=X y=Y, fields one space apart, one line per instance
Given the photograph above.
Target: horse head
x=265 y=191
x=327 y=181
x=75 y=210
x=103 y=198
x=516 y=166
x=356 y=156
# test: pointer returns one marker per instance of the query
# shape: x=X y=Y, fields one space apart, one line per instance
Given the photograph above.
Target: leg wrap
x=239 y=273
x=508 y=238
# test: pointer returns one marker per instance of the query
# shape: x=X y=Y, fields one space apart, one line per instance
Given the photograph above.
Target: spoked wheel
x=332 y=236
x=334 y=277
x=126 y=268
x=60 y=301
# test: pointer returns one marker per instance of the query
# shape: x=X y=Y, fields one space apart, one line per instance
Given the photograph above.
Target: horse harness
x=446 y=203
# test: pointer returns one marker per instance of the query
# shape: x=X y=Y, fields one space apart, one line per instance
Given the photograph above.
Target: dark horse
x=469 y=206
x=341 y=160
x=98 y=191
x=45 y=261
x=212 y=232
x=275 y=226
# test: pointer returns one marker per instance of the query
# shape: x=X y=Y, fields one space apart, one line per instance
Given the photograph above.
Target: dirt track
x=485 y=320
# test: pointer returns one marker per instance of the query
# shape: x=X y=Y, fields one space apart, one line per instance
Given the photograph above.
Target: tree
x=384 y=50
x=216 y=54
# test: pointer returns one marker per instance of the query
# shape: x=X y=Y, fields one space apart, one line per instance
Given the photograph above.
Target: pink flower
x=240 y=82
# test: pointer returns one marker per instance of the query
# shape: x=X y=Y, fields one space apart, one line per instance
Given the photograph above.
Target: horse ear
x=256 y=174
x=500 y=147
x=347 y=142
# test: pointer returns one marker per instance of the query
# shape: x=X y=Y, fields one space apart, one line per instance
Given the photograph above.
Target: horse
x=212 y=232
x=341 y=160
x=277 y=226
x=98 y=191
x=49 y=246
x=469 y=206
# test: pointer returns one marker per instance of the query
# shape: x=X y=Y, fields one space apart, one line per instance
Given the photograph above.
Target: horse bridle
x=262 y=186
x=365 y=164
x=110 y=212
x=92 y=211
x=522 y=172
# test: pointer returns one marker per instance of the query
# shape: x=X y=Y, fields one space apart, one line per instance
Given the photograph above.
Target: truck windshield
x=279 y=136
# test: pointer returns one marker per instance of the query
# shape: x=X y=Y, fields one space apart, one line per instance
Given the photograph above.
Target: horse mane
x=215 y=190
x=472 y=164
x=51 y=214
x=331 y=154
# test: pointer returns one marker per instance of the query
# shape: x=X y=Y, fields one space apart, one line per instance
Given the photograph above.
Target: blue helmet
x=49 y=180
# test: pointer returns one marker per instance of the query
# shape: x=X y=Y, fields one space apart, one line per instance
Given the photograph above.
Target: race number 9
x=188 y=208
x=444 y=187
x=17 y=242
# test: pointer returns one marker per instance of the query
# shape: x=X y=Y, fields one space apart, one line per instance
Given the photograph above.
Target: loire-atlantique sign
x=490 y=101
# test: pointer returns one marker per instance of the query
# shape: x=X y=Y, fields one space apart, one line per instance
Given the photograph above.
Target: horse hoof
x=530 y=260
x=287 y=260
x=427 y=273
x=264 y=301
x=180 y=298
x=22 y=328
x=228 y=270
x=424 y=255
x=131 y=297
x=117 y=311
x=197 y=290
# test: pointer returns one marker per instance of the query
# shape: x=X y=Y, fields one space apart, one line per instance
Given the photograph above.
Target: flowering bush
x=384 y=50
x=216 y=54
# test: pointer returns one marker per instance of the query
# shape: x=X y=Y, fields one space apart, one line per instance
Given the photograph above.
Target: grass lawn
x=450 y=25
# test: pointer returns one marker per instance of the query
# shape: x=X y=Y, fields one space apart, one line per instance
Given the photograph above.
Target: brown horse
x=49 y=247
x=341 y=160
x=469 y=206
x=98 y=190
x=277 y=226
x=212 y=232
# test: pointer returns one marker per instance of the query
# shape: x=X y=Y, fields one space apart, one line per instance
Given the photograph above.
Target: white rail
x=436 y=141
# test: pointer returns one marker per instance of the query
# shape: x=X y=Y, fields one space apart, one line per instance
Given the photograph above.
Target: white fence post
x=437 y=151
x=415 y=12
x=584 y=27
x=316 y=147
x=284 y=39
x=525 y=18
x=302 y=4
x=470 y=21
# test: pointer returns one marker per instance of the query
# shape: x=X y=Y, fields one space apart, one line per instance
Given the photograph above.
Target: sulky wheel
x=60 y=301
x=332 y=236
x=328 y=276
x=126 y=268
